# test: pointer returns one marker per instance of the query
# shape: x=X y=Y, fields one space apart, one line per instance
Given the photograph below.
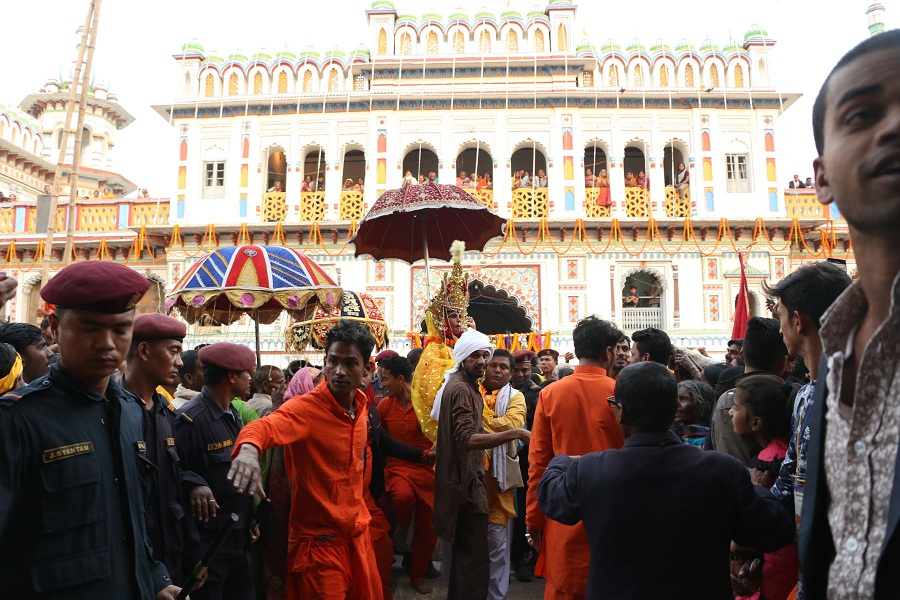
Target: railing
x=641 y=318
x=312 y=206
x=92 y=216
x=530 y=203
x=274 y=207
x=803 y=204
x=486 y=197
x=352 y=207
x=678 y=205
x=592 y=209
x=637 y=202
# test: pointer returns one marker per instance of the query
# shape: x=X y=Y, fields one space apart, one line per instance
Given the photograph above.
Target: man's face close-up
x=859 y=168
x=622 y=352
x=546 y=364
x=521 y=374
x=475 y=364
x=498 y=373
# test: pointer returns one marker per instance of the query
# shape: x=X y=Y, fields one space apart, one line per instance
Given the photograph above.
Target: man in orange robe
x=411 y=485
x=574 y=418
x=324 y=433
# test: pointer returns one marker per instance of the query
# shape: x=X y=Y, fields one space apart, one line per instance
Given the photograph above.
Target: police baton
x=200 y=570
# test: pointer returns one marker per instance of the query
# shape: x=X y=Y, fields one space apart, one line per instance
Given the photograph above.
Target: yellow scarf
x=8 y=382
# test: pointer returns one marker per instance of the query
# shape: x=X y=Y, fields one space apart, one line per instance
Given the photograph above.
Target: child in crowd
x=761 y=409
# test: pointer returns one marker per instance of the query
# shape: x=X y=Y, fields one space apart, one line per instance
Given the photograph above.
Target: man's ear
x=803 y=323
x=623 y=417
x=143 y=351
x=823 y=190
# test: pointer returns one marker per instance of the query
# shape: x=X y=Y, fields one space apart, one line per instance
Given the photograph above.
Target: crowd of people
x=130 y=468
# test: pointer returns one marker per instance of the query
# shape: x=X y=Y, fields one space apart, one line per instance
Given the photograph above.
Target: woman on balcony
x=277 y=188
x=408 y=179
x=630 y=181
x=360 y=185
x=307 y=184
x=348 y=185
x=590 y=180
x=682 y=179
x=603 y=197
x=643 y=181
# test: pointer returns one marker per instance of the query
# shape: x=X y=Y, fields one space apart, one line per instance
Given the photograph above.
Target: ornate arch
x=29 y=283
x=474 y=144
x=660 y=277
x=528 y=144
x=416 y=145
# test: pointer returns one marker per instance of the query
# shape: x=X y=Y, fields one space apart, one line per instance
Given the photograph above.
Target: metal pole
x=63 y=144
x=256 y=331
x=76 y=155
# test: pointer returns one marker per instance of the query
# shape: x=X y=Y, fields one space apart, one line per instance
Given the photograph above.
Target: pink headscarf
x=302 y=382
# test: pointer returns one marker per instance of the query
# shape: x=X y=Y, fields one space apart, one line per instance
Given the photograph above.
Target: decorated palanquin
x=437 y=357
x=354 y=306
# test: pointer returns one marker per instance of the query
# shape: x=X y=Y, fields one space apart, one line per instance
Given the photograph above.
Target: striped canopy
x=260 y=281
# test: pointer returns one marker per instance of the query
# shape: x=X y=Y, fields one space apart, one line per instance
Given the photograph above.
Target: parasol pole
x=427 y=268
x=256 y=332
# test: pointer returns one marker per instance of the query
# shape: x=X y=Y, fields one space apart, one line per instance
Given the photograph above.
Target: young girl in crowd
x=761 y=411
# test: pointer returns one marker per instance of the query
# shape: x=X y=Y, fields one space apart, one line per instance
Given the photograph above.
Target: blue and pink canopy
x=260 y=281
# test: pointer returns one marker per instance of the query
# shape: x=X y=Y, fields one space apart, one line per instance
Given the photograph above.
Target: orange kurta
x=411 y=485
x=574 y=418
x=329 y=525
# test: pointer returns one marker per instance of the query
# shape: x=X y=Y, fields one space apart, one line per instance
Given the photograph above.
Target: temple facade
x=528 y=117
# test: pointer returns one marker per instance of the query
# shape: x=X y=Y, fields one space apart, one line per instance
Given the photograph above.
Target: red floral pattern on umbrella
x=401 y=220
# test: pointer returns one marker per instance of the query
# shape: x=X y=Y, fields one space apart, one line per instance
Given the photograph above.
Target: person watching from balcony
x=432 y=177
x=526 y=180
x=631 y=300
x=360 y=184
x=488 y=181
x=13 y=197
x=682 y=179
x=809 y=182
x=517 y=180
x=307 y=184
x=320 y=183
x=421 y=180
x=408 y=179
x=643 y=181
x=630 y=181
x=541 y=179
x=348 y=185
x=107 y=194
x=96 y=194
x=461 y=179
x=796 y=183
x=277 y=188
x=590 y=180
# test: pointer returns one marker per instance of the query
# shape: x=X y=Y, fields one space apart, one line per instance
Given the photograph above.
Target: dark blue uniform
x=74 y=479
x=205 y=436
x=171 y=529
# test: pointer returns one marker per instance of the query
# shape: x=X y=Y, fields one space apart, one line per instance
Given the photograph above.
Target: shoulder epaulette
x=37 y=385
x=191 y=410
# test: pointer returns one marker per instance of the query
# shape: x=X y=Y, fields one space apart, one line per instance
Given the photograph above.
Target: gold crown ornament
x=453 y=296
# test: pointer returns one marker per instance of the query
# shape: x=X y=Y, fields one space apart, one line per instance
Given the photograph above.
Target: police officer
x=153 y=361
x=74 y=471
x=205 y=431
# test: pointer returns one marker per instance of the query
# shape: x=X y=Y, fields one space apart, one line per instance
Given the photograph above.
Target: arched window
x=405 y=43
x=587 y=79
x=282 y=83
x=512 y=41
x=714 y=75
x=484 y=41
x=431 y=44
x=763 y=76
x=459 y=42
x=539 y=40
x=333 y=80
x=257 y=83
x=638 y=76
x=233 y=84
x=614 y=76
x=562 y=38
x=689 y=76
x=307 y=81
x=664 y=76
x=382 y=42
x=210 y=85
x=738 y=76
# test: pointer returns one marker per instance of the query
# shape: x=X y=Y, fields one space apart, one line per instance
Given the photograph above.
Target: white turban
x=469 y=342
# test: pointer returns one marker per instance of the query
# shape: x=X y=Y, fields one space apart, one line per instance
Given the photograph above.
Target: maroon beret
x=549 y=352
x=155 y=326
x=523 y=356
x=225 y=355
x=96 y=286
x=384 y=354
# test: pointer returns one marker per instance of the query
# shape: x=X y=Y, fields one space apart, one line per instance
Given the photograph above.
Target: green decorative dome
x=432 y=16
x=659 y=46
x=407 y=17
x=708 y=45
x=192 y=46
x=262 y=55
x=458 y=14
x=382 y=4
x=684 y=45
x=237 y=56
x=611 y=45
x=286 y=54
x=732 y=45
x=755 y=31
x=510 y=13
x=536 y=12
x=484 y=13
x=214 y=56
x=635 y=46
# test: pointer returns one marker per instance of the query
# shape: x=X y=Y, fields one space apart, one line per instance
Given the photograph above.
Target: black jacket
x=74 y=479
x=815 y=542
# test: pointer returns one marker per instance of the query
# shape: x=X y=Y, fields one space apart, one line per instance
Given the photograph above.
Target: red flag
x=742 y=307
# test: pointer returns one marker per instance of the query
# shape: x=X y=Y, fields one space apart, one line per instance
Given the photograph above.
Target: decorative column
x=612 y=293
x=677 y=302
